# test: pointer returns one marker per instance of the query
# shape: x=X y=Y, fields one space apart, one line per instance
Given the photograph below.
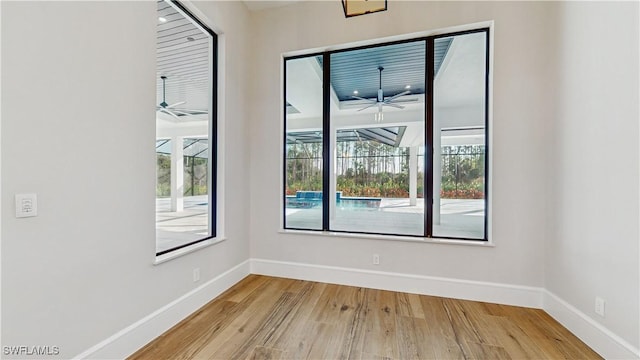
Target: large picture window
x=395 y=132
x=185 y=129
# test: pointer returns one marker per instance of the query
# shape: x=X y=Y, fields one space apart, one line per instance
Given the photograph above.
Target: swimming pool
x=294 y=202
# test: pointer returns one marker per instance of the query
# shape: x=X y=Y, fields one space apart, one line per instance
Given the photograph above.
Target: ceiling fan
x=171 y=110
x=380 y=101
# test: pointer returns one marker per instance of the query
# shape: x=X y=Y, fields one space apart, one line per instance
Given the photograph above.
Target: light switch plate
x=26 y=205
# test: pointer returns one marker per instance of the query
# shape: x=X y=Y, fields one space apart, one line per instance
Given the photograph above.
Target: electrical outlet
x=600 y=306
x=196 y=274
x=376 y=259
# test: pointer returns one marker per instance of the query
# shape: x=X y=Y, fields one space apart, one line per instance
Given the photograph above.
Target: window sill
x=480 y=243
x=187 y=250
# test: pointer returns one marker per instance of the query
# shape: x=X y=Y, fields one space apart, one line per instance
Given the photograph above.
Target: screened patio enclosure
x=182 y=197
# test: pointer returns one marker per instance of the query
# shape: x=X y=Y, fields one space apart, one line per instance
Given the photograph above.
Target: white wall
x=518 y=146
x=592 y=248
x=78 y=95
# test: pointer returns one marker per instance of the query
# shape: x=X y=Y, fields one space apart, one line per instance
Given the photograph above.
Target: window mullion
x=428 y=149
x=486 y=138
x=326 y=143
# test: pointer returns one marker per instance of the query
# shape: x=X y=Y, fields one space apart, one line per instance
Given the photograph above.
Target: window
x=185 y=129
x=396 y=132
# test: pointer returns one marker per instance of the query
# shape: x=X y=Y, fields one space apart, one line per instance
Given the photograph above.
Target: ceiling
x=459 y=65
x=183 y=56
x=184 y=50
x=184 y=53
x=403 y=63
x=385 y=135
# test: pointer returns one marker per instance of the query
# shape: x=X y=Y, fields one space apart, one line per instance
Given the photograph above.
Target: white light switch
x=26 y=205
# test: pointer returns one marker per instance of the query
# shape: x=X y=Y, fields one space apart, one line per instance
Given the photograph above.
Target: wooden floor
x=274 y=318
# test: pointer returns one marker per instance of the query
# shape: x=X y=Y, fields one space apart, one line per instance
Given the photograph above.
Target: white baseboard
x=132 y=338
x=135 y=336
x=417 y=284
x=598 y=337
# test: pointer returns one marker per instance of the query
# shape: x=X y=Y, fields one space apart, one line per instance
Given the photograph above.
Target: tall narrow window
x=185 y=129
x=395 y=133
x=303 y=143
x=459 y=136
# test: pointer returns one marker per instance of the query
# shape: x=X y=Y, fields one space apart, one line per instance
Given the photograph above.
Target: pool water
x=343 y=203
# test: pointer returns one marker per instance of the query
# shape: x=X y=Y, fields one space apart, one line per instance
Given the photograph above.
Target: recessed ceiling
x=403 y=63
x=358 y=70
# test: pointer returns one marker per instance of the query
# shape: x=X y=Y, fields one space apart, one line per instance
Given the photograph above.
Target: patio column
x=413 y=175
x=177 y=174
x=437 y=169
x=332 y=174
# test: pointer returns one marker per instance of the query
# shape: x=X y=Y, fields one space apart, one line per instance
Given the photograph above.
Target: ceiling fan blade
x=397 y=96
x=368 y=106
x=187 y=113
x=180 y=112
x=174 y=105
x=365 y=99
x=194 y=111
x=393 y=105
x=169 y=112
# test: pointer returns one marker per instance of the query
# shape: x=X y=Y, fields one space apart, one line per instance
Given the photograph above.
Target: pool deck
x=177 y=228
x=460 y=218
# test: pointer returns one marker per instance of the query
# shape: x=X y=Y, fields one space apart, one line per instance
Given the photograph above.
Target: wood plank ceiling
x=184 y=57
x=404 y=65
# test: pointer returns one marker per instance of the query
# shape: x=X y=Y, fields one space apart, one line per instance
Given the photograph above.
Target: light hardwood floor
x=274 y=318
